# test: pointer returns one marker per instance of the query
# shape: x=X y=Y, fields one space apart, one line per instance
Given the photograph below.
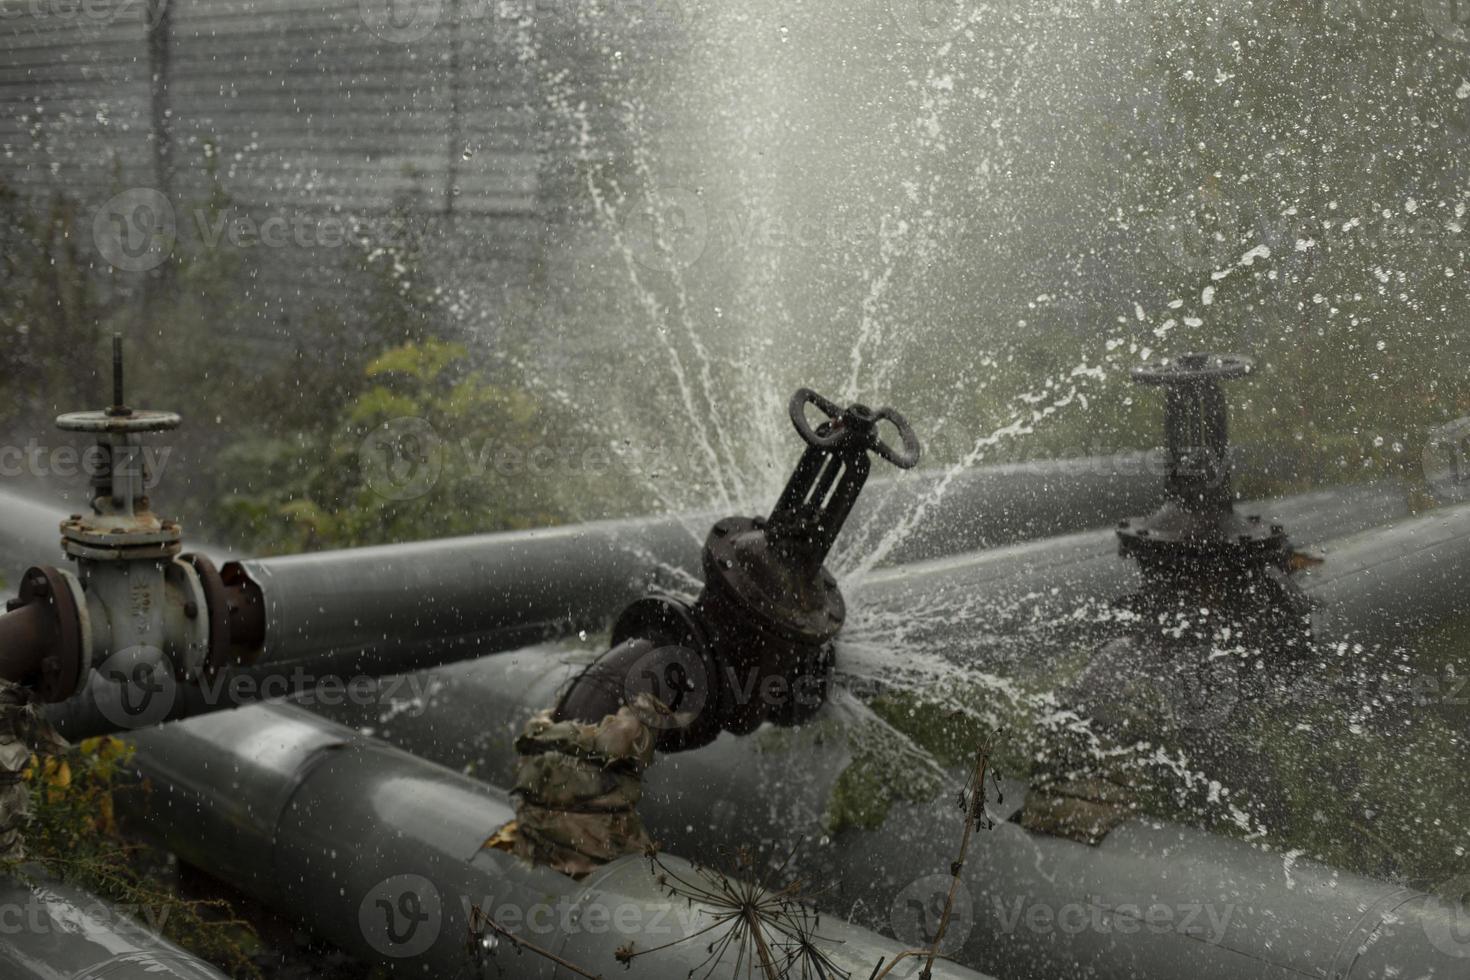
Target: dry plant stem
x=768 y=967
x=973 y=812
x=477 y=917
x=877 y=975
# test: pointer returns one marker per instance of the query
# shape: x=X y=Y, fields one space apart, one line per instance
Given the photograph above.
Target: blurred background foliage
x=1037 y=197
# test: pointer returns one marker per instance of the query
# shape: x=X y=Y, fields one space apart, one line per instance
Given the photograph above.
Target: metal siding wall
x=312 y=114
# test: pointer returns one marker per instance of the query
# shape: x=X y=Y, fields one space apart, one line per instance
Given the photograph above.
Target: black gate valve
x=1197 y=524
x=1196 y=550
x=756 y=645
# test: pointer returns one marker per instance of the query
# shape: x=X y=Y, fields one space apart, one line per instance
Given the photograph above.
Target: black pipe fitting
x=756 y=645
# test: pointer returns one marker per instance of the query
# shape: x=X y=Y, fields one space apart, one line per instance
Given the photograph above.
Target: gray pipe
x=1045 y=581
x=1154 y=901
x=494 y=591
x=50 y=930
x=29 y=534
x=1378 y=586
x=391 y=609
x=383 y=853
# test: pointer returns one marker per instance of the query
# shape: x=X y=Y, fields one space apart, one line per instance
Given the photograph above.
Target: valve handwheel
x=853 y=429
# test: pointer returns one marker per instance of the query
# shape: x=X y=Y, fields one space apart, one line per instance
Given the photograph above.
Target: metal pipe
x=50 y=930
x=1378 y=586
x=1154 y=901
x=1054 y=575
x=341 y=620
x=494 y=591
x=1276 y=916
x=29 y=531
x=384 y=854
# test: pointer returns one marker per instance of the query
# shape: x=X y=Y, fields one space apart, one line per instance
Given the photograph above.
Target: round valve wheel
x=1188 y=368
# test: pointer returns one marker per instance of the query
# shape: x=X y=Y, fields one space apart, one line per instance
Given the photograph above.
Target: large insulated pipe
x=1056 y=574
x=396 y=608
x=385 y=855
x=1378 y=586
x=50 y=930
x=407 y=607
x=1153 y=901
x=29 y=532
x=495 y=591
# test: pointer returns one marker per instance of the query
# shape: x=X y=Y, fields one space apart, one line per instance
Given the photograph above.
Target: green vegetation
x=73 y=835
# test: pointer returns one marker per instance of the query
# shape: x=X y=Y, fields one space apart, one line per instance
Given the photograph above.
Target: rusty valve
x=755 y=646
x=133 y=603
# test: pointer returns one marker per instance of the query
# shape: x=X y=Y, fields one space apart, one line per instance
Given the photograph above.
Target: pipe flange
x=785 y=598
x=216 y=609
x=1188 y=368
x=662 y=619
x=63 y=666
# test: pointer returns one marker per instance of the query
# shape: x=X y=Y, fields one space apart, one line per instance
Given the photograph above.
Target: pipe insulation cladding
x=1154 y=901
x=385 y=855
x=56 y=931
x=398 y=608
